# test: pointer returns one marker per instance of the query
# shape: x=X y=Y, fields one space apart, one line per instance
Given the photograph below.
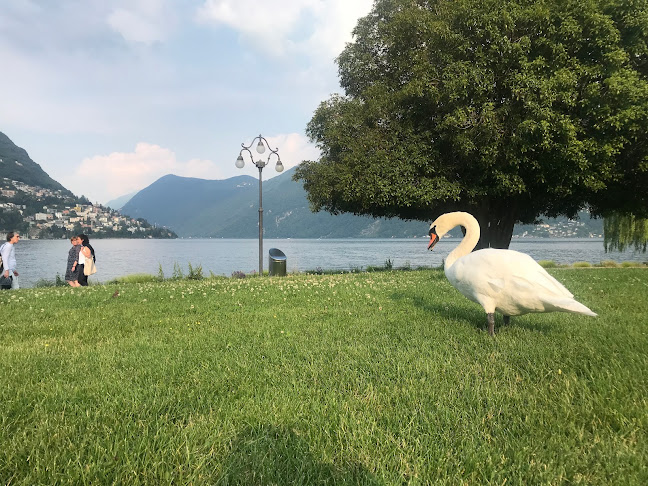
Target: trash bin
x=277 y=263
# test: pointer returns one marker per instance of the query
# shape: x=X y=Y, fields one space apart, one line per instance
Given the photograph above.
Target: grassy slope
x=375 y=378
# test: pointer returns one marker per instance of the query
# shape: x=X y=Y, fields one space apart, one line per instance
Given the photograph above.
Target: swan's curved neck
x=470 y=239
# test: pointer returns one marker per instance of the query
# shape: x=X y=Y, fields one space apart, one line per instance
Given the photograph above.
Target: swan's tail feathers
x=571 y=305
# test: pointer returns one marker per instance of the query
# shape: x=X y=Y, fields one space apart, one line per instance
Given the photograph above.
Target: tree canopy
x=506 y=109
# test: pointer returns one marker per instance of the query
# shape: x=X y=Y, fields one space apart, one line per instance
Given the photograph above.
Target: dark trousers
x=83 y=278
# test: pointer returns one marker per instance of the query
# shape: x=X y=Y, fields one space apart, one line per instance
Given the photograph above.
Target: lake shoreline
x=117 y=257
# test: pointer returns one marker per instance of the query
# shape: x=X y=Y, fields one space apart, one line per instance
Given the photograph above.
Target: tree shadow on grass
x=472 y=314
x=272 y=455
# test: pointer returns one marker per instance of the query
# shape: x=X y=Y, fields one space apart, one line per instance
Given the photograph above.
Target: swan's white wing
x=541 y=282
x=522 y=271
x=509 y=281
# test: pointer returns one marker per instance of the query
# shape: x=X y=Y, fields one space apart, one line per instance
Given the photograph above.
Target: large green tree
x=506 y=109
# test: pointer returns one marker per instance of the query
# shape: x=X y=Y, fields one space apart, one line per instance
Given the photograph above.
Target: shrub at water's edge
x=582 y=264
x=547 y=264
x=609 y=264
x=134 y=278
x=196 y=273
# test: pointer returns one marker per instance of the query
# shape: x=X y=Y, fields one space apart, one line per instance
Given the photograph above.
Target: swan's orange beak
x=434 y=239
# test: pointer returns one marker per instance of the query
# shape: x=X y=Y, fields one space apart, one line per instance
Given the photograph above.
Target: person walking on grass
x=86 y=253
x=72 y=269
x=9 y=259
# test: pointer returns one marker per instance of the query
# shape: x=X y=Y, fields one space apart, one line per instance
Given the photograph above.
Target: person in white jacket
x=9 y=258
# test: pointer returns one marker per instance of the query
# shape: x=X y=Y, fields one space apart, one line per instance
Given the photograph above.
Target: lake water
x=43 y=259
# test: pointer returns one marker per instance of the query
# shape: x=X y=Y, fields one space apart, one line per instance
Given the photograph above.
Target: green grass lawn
x=366 y=378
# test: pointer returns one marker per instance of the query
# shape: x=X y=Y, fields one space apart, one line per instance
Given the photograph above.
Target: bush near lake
x=362 y=378
x=582 y=265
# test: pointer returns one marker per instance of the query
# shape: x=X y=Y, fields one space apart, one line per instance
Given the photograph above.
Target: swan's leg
x=507 y=320
x=491 y=323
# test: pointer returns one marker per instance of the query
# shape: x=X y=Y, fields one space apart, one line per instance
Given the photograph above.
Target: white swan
x=505 y=281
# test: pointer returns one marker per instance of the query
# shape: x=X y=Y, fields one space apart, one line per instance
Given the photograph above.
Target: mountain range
x=228 y=208
x=119 y=202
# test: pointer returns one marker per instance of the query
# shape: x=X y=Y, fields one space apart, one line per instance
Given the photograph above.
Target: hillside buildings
x=48 y=213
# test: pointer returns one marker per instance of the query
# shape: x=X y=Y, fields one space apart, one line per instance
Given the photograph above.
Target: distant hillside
x=37 y=206
x=119 y=202
x=229 y=209
x=188 y=204
x=15 y=164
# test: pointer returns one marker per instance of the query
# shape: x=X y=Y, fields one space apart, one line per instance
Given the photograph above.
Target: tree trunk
x=496 y=227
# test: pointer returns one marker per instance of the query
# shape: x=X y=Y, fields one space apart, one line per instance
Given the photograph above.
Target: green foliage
x=195 y=273
x=177 y=272
x=407 y=266
x=623 y=231
x=135 y=278
x=371 y=379
x=13 y=220
x=609 y=264
x=57 y=282
x=507 y=109
x=547 y=264
x=582 y=265
x=389 y=265
x=631 y=264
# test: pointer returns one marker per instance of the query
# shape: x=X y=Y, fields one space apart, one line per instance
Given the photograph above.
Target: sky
x=107 y=96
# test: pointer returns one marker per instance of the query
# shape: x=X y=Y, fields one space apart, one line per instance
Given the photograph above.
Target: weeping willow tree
x=621 y=231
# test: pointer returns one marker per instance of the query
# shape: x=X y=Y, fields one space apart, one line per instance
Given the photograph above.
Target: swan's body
x=504 y=281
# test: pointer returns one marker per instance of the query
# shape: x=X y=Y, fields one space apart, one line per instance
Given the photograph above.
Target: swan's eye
x=432 y=231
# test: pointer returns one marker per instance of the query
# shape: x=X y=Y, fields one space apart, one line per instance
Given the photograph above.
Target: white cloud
x=93 y=78
x=105 y=177
x=67 y=67
x=334 y=26
x=262 y=23
x=293 y=149
x=144 y=21
x=317 y=28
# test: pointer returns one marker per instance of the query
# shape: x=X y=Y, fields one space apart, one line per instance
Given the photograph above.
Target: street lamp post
x=260 y=164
